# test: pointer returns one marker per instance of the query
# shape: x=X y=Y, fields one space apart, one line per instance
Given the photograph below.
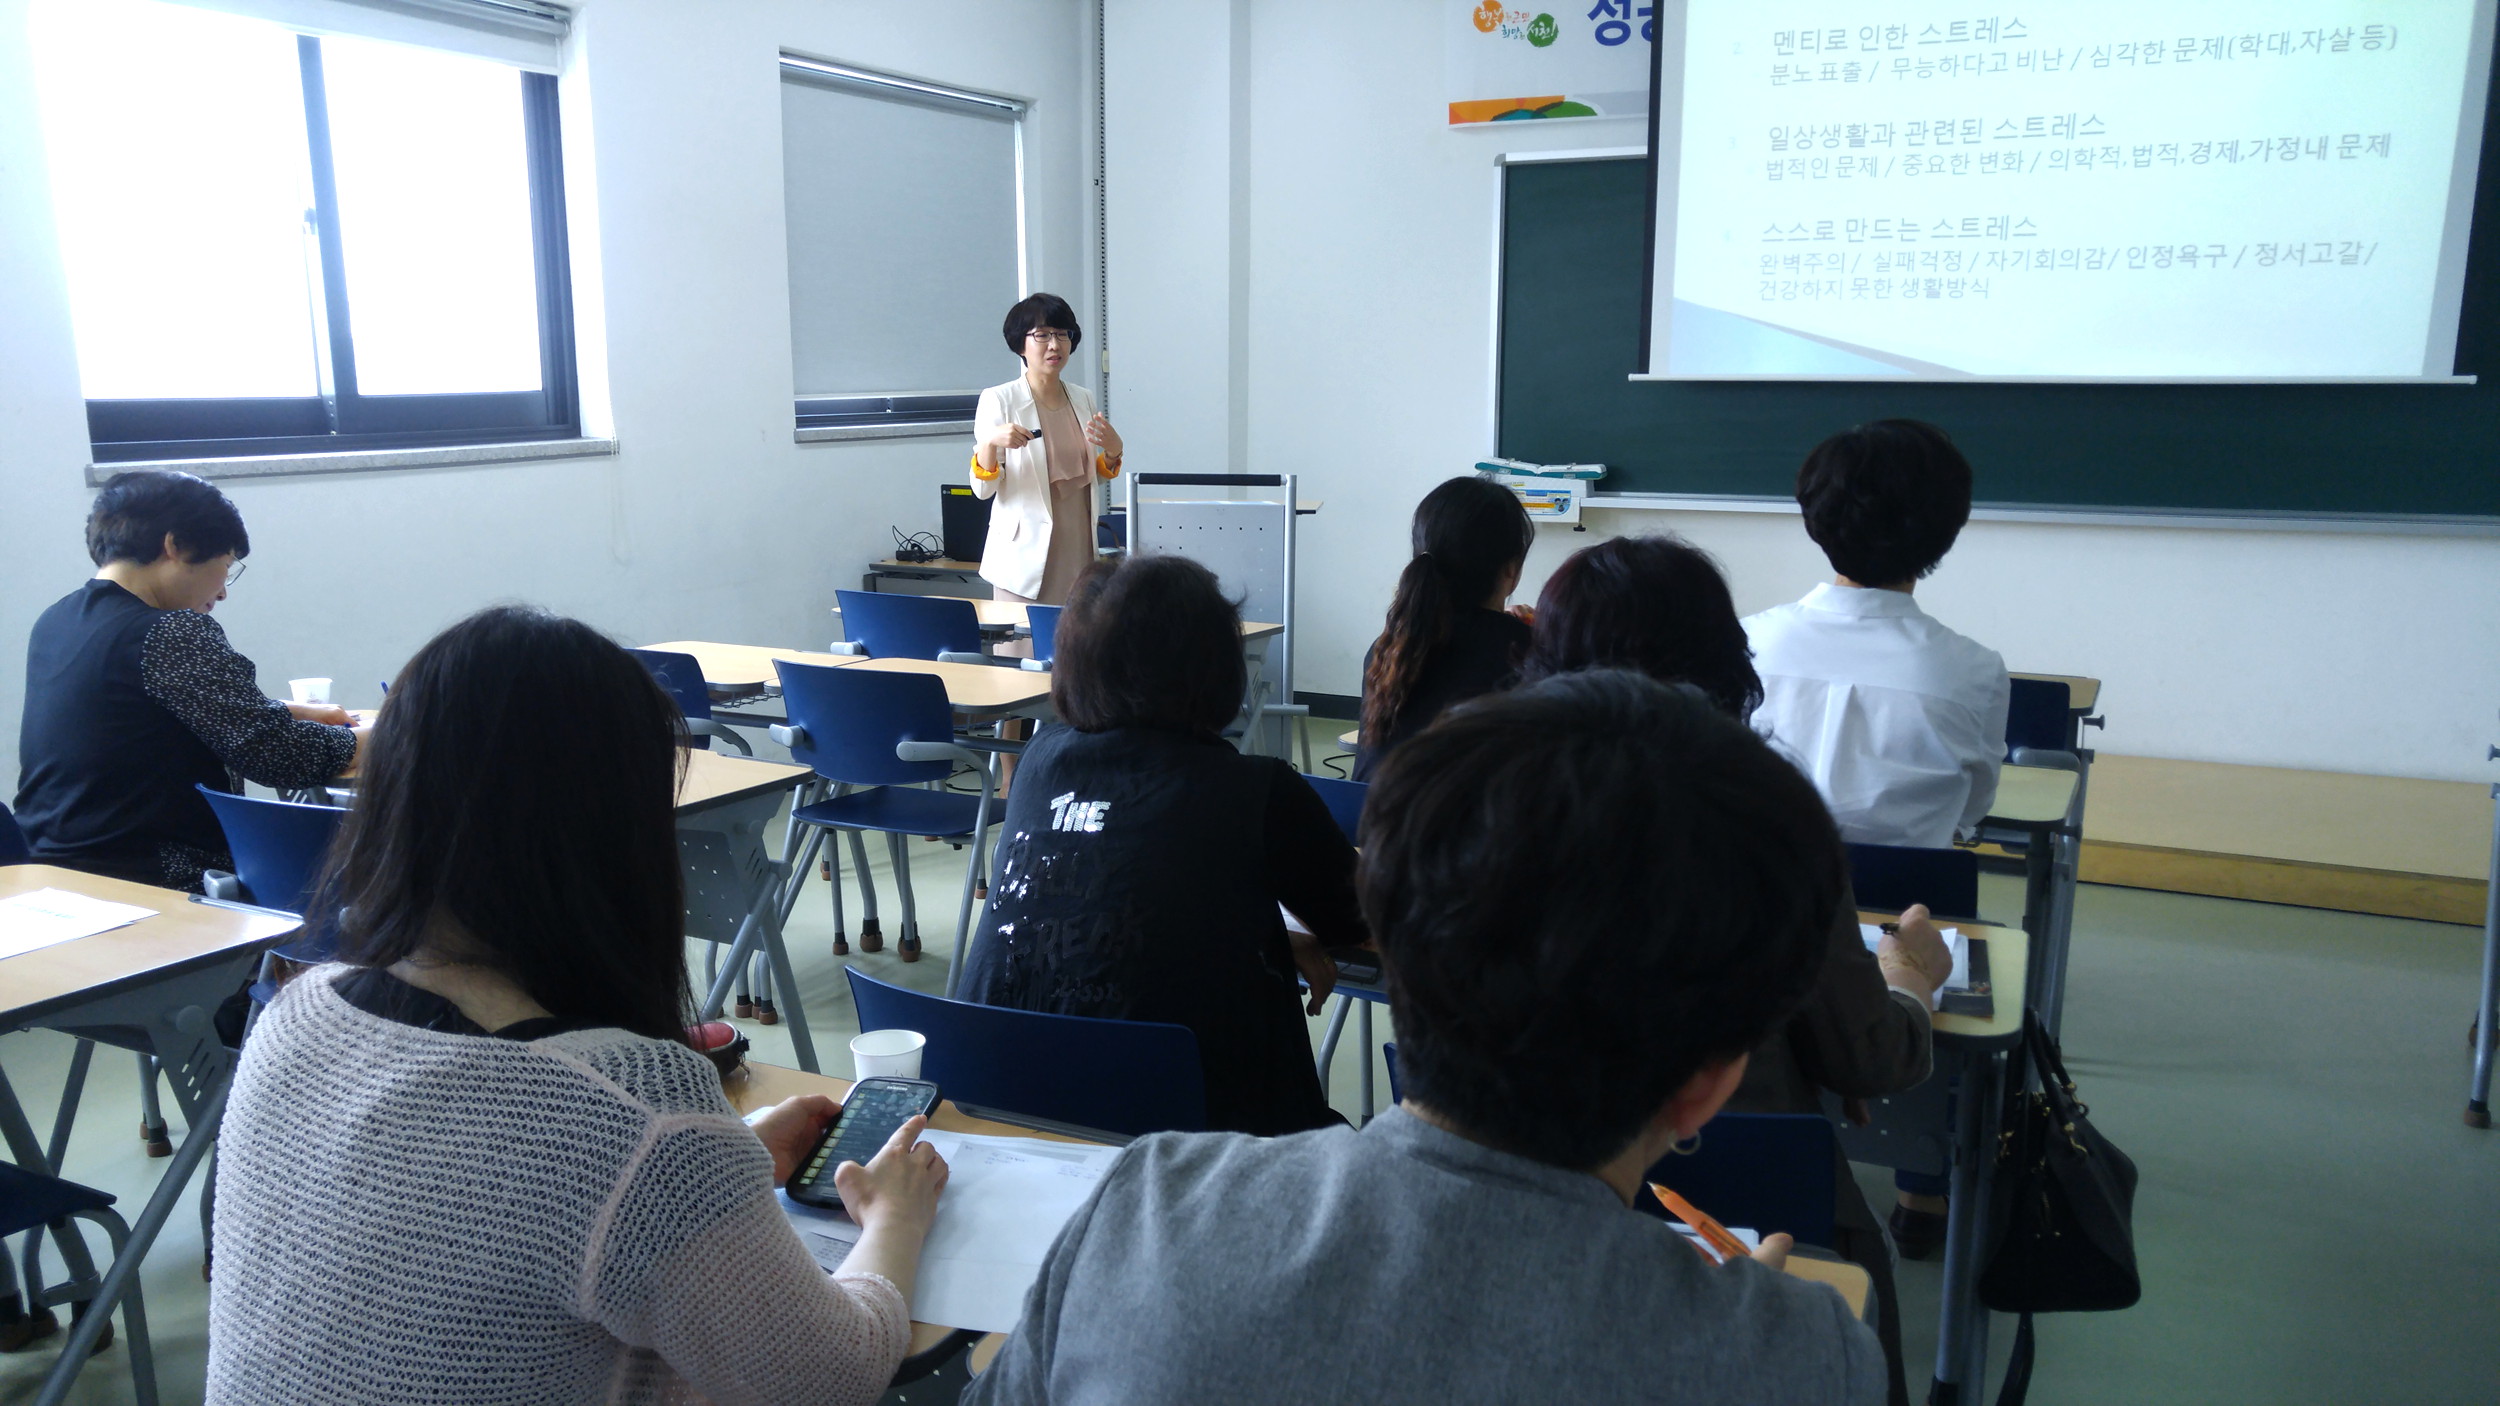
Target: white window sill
x=362 y=460
x=926 y=430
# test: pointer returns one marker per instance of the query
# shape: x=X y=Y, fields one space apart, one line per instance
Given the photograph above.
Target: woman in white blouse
x=476 y=1159
x=1038 y=446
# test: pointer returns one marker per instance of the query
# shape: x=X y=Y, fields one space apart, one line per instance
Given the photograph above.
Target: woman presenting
x=1038 y=444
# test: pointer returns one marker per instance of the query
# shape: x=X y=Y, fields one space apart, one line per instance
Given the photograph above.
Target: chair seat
x=898 y=810
x=29 y=1199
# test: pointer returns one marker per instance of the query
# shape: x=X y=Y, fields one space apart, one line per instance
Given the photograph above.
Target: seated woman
x=1659 y=605
x=1447 y=638
x=134 y=699
x=478 y=1159
x=1143 y=858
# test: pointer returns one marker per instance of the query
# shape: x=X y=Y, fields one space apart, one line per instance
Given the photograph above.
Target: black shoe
x=1916 y=1234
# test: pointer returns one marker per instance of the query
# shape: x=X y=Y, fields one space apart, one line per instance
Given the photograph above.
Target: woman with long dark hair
x=477 y=1157
x=1447 y=638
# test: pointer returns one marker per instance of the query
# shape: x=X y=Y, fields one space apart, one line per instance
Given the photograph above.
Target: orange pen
x=1715 y=1234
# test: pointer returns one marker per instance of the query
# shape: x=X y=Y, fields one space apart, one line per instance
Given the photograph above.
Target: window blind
x=527 y=34
x=906 y=242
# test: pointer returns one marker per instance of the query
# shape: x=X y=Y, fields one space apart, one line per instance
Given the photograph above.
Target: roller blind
x=906 y=238
x=526 y=34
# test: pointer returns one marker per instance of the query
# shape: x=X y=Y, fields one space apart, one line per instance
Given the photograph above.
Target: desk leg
x=117 y=1280
x=1365 y=1035
x=1961 y=1323
x=1328 y=1042
x=2040 y=909
x=2478 y=1094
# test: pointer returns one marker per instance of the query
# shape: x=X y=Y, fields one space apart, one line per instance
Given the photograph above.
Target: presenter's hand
x=1010 y=436
x=1098 y=433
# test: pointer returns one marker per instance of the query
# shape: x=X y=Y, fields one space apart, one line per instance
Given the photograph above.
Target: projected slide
x=2128 y=190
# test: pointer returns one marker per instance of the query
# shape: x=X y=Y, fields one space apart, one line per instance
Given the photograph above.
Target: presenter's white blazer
x=1020 y=521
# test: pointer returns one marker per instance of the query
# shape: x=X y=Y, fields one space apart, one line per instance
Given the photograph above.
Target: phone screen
x=870 y=1115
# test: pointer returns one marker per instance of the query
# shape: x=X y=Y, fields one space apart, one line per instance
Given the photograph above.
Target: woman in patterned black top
x=134 y=698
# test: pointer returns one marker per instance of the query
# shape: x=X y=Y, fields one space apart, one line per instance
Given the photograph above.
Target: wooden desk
x=763 y=1085
x=183 y=934
x=149 y=987
x=1010 y=615
x=2032 y=796
x=746 y=668
x=2082 y=694
x=977 y=691
x=714 y=780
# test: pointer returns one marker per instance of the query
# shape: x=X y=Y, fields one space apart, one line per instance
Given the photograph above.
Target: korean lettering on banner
x=1614 y=22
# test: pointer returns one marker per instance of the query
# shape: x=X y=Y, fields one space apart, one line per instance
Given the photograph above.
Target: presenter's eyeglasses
x=1049 y=336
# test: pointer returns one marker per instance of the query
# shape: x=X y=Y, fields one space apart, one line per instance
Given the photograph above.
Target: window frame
x=840 y=415
x=341 y=418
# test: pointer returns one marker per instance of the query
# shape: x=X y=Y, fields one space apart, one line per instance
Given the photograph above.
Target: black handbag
x=2061 y=1199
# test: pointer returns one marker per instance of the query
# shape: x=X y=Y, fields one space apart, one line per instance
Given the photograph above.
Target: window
x=278 y=244
x=906 y=227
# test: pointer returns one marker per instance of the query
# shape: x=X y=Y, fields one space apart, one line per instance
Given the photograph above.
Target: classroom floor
x=2315 y=1223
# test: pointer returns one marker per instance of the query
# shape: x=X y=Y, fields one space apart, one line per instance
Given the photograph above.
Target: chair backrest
x=853 y=718
x=1389 y=1057
x=1345 y=802
x=1123 y=1076
x=893 y=626
x=682 y=677
x=13 y=846
x=1892 y=877
x=2040 y=715
x=1045 y=622
x=277 y=846
x=1763 y=1171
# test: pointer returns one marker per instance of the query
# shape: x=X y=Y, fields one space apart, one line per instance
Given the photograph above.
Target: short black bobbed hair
x=1042 y=310
x=1548 y=1009
x=1148 y=641
x=553 y=854
x=1885 y=500
x=1657 y=604
x=139 y=507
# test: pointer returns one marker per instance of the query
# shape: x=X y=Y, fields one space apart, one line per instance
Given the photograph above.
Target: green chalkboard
x=1574 y=247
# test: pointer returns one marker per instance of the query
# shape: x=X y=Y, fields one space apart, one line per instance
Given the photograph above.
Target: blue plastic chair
x=1389 y=1056
x=683 y=678
x=13 y=846
x=1892 y=877
x=1764 y=1171
x=278 y=847
x=1345 y=802
x=29 y=1201
x=911 y=627
x=1122 y=1076
x=1044 y=622
x=878 y=737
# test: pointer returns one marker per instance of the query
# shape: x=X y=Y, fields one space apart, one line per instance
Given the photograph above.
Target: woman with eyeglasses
x=134 y=699
x=1038 y=446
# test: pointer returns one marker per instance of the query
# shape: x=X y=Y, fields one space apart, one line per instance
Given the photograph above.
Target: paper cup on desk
x=310 y=690
x=894 y=1054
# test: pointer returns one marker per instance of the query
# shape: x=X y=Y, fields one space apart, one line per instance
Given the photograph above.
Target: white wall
x=1369 y=323
x=711 y=523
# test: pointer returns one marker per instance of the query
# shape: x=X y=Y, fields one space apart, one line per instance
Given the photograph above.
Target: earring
x=1686 y=1147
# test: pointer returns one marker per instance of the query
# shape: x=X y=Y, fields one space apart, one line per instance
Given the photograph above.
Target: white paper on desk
x=47 y=916
x=1751 y=1239
x=1955 y=942
x=1005 y=1201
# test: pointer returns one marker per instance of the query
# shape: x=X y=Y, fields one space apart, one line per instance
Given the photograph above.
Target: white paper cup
x=894 y=1054
x=310 y=690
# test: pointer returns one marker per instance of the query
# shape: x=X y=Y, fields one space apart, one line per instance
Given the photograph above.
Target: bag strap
x=2017 y=1367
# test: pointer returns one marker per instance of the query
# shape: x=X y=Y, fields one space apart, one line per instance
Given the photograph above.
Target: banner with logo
x=1518 y=62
